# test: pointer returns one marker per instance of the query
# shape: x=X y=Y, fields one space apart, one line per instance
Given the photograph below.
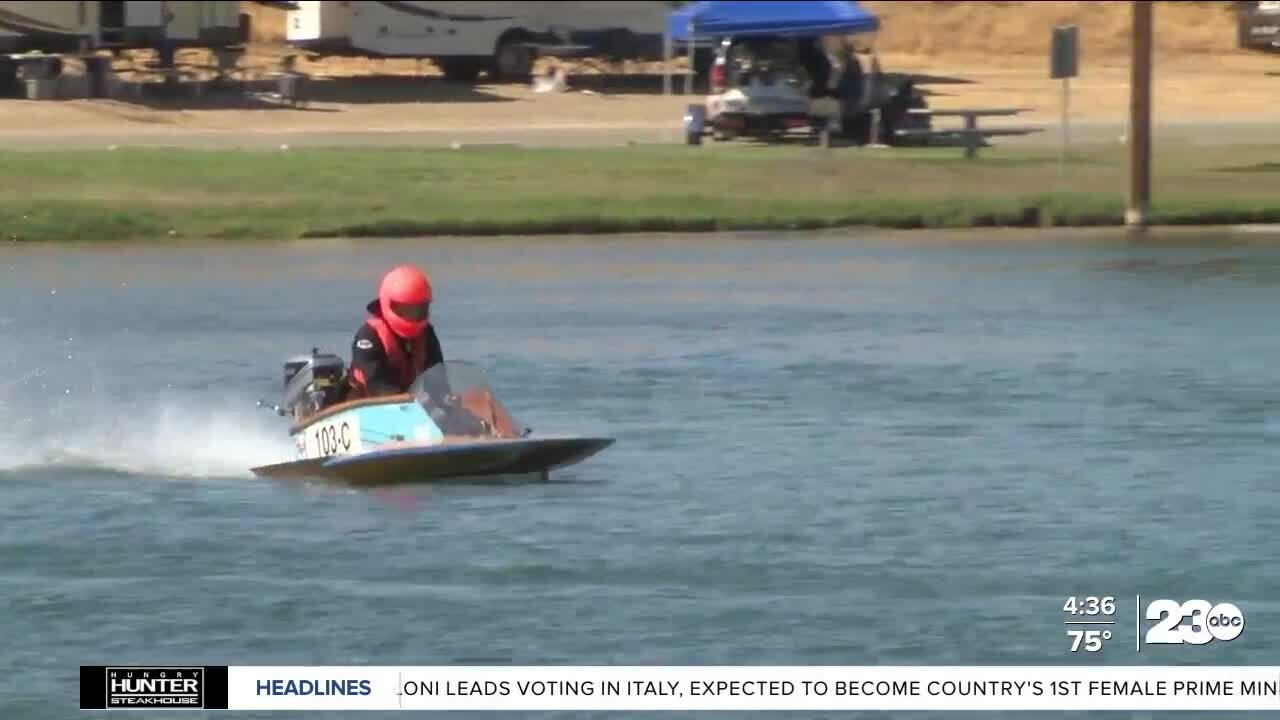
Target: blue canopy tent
x=725 y=18
x=740 y=18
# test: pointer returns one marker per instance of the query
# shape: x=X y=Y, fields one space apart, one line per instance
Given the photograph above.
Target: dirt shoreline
x=999 y=60
x=1232 y=89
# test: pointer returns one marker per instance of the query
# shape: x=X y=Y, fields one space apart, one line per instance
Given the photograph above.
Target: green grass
x=142 y=194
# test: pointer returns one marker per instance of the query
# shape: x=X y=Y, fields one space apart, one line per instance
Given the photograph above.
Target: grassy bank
x=162 y=193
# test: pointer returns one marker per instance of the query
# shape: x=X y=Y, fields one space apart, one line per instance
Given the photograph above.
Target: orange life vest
x=406 y=368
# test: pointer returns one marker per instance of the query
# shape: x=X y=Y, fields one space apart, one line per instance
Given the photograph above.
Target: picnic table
x=973 y=136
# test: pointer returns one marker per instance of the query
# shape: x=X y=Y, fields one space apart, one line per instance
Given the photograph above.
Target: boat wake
x=168 y=436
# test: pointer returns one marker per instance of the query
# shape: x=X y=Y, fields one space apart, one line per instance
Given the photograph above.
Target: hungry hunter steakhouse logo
x=155 y=687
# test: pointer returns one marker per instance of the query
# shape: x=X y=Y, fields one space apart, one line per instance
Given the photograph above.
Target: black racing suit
x=368 y=355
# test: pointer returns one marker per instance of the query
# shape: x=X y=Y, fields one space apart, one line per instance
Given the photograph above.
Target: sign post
x=1064 y=64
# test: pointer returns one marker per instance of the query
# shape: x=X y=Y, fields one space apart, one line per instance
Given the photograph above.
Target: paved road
x=1197 y=133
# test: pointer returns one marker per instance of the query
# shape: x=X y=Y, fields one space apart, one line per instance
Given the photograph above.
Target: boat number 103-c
x=332 y=439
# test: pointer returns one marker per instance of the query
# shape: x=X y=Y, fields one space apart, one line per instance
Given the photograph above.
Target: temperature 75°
x=1091 y=640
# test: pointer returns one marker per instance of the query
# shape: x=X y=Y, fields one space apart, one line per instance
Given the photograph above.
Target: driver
x=397 y=342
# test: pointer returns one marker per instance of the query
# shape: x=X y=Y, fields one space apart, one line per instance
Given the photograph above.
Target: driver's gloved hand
x=473 y=424
x=456 y=421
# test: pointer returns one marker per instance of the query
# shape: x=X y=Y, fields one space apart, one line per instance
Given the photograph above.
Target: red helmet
x=405 y=300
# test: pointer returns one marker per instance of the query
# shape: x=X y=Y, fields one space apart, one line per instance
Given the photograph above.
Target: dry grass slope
x=947 y=32
x=947 y=27
x=965 y=29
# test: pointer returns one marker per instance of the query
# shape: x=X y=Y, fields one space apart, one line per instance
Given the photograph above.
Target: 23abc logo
x=1206 y=622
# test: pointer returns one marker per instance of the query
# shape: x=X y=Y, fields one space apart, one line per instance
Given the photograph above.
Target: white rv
x=46 y=26
x=466 y=38
x=66 y=26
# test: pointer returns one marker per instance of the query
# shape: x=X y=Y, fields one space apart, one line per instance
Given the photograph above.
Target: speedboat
x=448 y=425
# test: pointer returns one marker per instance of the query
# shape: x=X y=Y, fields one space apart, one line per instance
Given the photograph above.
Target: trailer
x=36 y=36
x=465 y=39
x=46 y=26
x=69 y=26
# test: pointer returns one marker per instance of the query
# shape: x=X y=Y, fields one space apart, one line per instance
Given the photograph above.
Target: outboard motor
x=313 y=382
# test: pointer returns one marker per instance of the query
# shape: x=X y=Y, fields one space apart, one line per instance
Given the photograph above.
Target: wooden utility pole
x=1140 y=117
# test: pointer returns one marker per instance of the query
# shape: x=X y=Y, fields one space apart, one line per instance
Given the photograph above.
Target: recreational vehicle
x=467 y=38
x=64 y=26
x=46 y=26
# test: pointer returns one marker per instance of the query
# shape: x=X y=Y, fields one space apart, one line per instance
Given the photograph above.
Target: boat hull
x=418 y=463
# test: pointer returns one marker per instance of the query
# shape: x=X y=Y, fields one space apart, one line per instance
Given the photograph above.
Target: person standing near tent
x=814 y=60
x=838 y=75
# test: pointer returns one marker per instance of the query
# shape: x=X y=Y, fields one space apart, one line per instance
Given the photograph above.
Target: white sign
x=335 y=435
x=699 y=688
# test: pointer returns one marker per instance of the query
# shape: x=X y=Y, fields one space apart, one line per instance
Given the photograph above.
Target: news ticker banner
x=659 y=688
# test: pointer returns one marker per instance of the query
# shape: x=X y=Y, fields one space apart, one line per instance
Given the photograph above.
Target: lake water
x=845 y=449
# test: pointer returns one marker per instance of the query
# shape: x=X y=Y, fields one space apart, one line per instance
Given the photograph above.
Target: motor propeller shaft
x=272 y=407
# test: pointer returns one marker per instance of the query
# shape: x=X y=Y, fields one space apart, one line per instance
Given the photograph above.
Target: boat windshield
x=457 y=395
